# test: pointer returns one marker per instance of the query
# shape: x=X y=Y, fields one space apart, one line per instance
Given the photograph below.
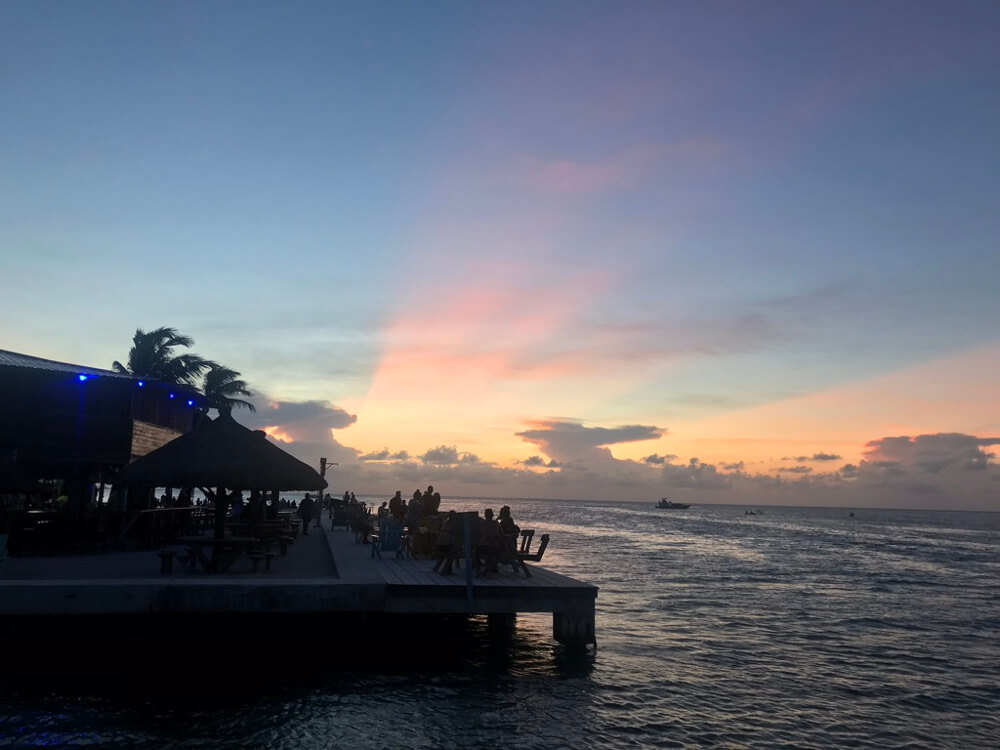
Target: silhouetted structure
x=83 y=424
x=222 y=453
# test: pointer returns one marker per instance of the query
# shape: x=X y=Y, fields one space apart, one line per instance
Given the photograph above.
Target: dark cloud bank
x=943 y=470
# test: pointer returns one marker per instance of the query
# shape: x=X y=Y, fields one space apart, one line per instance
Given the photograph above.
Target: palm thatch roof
x=223 y=453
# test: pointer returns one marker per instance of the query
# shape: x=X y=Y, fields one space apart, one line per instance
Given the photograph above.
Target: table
x=223 y=552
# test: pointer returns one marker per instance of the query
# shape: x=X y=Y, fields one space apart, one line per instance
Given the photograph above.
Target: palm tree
x=222 y=386
x=152 y=356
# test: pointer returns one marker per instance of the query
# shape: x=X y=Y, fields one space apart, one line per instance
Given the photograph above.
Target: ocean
x=797 y=628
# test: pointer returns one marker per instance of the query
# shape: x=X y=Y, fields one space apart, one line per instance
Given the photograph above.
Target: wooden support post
x=574 y=627
x=501 y=625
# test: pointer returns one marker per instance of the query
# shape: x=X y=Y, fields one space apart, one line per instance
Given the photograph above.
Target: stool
x=267 y=561
x=184 y=559
x=166 y=560
x=255 y=558
x=284 y=541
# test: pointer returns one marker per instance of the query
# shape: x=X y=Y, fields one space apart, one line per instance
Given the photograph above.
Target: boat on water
x=670 y=505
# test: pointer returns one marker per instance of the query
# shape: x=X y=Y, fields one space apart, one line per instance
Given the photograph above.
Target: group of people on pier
x=492 y=540
x=421 y=505
x=429 y=531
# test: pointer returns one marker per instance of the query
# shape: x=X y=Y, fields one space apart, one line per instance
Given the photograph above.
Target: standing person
x=413 y=512
x=236 y=503
x=396 y=505
x=306 y=509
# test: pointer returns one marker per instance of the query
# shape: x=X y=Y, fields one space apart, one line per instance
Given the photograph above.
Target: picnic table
x=267 y=532
x=218 y=555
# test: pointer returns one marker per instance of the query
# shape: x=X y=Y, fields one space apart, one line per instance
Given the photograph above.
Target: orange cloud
x=277 y=433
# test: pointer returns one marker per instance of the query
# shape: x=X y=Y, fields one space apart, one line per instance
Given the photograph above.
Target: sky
x=734 y=252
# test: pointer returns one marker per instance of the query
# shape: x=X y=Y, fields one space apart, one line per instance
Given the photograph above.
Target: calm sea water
x=798 y=628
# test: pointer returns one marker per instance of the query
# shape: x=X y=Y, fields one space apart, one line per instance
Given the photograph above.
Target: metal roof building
x=69 y=421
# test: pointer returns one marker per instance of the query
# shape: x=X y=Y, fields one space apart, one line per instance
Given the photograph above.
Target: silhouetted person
x=507 y=526
x=306 y=509
x=236 y=503
x=490 y=540
x=446 y=544
x=413 y=512
x=396 y=506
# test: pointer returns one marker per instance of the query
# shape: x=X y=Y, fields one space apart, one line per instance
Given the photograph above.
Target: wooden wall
x=148 y=437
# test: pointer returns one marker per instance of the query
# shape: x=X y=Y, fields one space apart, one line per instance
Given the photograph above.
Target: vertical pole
x=319 y=505
x=467 y=521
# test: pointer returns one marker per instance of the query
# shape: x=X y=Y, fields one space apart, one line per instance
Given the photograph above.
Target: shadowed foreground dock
x=326 y=576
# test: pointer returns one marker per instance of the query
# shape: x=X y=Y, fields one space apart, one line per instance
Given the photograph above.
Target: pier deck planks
x=326 y=571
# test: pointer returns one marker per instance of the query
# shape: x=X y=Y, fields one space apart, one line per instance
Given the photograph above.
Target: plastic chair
x=390 y=538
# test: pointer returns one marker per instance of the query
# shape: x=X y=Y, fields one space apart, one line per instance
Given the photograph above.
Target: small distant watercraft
x=669 y=505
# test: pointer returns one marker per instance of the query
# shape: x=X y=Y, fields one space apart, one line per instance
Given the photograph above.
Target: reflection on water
x=798 y=628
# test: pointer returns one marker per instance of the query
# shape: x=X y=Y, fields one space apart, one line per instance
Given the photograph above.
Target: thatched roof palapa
x=223 y=453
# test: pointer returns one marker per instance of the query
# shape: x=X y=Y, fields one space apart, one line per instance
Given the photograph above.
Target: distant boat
x=668 y=505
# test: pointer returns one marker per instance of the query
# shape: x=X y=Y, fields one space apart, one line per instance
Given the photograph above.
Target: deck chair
x=506 y=553
x=536 y=556
x=339 y=517
x=390 y=538
x=457 y=553
x=526 y=536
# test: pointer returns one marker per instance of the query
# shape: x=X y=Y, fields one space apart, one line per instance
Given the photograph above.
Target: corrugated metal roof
x=14 y=359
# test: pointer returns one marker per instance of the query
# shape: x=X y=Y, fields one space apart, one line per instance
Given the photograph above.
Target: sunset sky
x=721 y=251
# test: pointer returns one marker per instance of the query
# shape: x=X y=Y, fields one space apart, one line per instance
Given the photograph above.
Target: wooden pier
x=324 y=573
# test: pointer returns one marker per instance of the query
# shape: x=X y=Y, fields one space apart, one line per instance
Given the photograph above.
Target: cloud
x=695 y=475
x=385 y=455
x=539 y=461
x=932 y=453
x=658 y=460
x=299 y=421
x=447 y=455
x=813 y=457
x=567 y=441
x=825 y=457
x=302 y=428
x=947 y=471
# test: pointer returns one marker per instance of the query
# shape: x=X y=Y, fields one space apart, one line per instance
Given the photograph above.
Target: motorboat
x=670 y=505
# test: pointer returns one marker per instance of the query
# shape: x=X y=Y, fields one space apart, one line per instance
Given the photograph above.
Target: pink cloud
x=624 y=169
x=503 y=325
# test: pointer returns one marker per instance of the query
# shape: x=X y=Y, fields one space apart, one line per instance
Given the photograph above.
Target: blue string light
x=172 y=395
x=141 y=383
x=81 y=377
